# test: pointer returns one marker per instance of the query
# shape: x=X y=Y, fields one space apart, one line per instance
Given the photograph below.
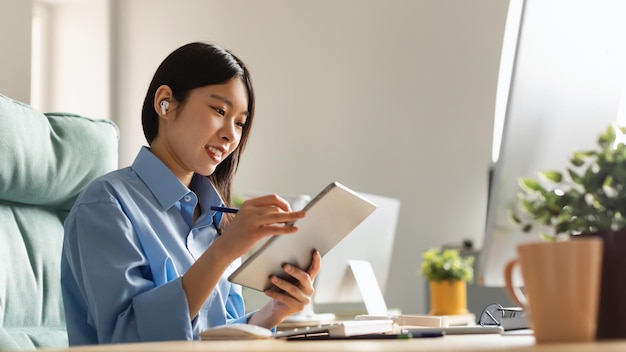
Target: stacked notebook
x=337 y=329
x=405 y=320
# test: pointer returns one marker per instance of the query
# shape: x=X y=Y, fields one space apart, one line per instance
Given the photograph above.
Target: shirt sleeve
x=235 y=306
x=113 y=276
x=236 y=310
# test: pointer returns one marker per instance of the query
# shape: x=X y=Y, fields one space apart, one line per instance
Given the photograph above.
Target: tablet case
x=331 y=216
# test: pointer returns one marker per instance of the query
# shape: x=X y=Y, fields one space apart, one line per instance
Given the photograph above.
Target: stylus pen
x=225 y=209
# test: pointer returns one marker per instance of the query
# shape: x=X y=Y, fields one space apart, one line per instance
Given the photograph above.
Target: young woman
x=145 y=258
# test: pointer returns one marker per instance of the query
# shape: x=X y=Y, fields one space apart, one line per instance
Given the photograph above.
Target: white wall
x=78 y=63
x=388 y=97
x=15 y=41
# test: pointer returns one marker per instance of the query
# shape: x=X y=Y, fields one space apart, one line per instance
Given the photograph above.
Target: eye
x=240 y=124
x=219 y=111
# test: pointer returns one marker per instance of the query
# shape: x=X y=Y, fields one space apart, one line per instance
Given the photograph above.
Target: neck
x=169 y=160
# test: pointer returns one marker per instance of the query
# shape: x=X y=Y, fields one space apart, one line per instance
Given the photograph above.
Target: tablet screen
x=331 y=216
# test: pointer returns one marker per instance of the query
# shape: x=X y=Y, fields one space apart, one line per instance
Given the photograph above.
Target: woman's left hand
x=294 y=297
x=289 y=297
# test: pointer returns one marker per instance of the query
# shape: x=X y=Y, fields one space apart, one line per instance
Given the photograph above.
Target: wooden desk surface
x=456 y=343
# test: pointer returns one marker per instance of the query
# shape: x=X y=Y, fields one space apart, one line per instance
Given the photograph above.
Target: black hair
x=192 y=66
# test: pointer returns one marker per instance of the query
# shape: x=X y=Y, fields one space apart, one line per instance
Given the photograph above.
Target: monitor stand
x=368 y=287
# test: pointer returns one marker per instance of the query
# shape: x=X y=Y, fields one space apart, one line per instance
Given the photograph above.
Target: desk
x=456 y=343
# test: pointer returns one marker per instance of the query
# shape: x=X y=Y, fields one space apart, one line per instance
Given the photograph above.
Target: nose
x=229 y=131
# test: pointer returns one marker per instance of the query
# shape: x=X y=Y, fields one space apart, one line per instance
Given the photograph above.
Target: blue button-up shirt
x=128 y=239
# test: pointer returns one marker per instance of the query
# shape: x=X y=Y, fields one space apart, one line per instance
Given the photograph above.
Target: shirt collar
x=166 y=187
x=207 y=195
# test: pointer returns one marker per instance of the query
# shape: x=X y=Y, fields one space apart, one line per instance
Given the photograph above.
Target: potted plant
x=448 y=273
x=589 y=199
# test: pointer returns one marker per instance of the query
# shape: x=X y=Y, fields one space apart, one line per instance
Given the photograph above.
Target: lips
x=215 y=151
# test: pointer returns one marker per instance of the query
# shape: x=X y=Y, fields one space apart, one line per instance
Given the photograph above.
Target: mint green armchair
x=46 y=160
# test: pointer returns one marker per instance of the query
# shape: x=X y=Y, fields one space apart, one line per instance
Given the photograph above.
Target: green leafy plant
x=447 y=264
x=238 y=200
x=589 y=197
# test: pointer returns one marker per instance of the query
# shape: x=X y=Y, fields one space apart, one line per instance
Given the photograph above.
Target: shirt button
x=187 y=199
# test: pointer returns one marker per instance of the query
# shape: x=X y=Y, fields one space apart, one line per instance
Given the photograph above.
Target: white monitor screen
x=566 y=60
x=336 y=290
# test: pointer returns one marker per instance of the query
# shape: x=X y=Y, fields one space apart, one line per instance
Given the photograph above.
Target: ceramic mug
x=561 y=288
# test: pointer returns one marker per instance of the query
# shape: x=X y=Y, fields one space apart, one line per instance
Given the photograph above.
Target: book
x=341 y=328
x=402 y=320
x=336 y=329
x=462 y=319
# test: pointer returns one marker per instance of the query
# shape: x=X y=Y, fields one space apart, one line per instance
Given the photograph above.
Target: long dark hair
x=196 y=65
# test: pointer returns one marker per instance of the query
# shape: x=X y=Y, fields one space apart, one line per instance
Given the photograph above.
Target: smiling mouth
x=214 y=151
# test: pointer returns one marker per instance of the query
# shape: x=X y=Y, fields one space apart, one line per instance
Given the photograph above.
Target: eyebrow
x=224 y=99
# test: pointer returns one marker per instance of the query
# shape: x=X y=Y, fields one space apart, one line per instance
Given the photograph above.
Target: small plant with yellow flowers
x=447 y=264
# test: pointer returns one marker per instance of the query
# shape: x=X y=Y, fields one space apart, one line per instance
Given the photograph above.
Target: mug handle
x=514 y=292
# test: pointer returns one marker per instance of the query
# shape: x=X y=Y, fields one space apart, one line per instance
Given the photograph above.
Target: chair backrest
x=46 y=160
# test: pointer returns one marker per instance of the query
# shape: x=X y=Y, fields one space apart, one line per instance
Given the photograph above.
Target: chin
x=206 y=171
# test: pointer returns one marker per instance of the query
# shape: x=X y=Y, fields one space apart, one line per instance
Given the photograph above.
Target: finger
x=292 y=290
x=285 y=218
x=305 y=283
x=270 y=214
x=259 y=210
x=316 y=265
x=276 y=230
x=287 y=300
x=269 y=200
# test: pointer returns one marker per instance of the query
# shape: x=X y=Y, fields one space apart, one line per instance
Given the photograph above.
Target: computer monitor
x=372 y=241
x=562 y=81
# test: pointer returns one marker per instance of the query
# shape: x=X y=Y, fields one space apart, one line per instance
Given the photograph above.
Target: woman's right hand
x=256 y=219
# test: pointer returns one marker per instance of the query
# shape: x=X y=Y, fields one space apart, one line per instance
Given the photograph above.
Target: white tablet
x=330 y=217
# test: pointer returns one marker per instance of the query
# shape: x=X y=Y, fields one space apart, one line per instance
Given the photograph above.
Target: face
x=197 y=136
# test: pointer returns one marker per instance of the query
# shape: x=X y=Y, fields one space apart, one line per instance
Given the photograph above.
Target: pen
x=225 y=209
x=427 y=334
x=352 y=337
x=416 y=333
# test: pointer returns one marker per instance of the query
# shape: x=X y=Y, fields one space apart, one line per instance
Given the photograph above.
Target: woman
x=145 y=258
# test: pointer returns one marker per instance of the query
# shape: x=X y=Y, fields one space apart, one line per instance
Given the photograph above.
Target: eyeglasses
x=494 y=313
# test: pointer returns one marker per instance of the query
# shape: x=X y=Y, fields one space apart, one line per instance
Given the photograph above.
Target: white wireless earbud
x=164 y=106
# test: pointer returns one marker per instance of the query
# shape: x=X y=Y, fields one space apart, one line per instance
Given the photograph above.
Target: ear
x=163 y=93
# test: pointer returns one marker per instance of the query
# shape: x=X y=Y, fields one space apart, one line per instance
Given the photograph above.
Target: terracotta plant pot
x=448 y=297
